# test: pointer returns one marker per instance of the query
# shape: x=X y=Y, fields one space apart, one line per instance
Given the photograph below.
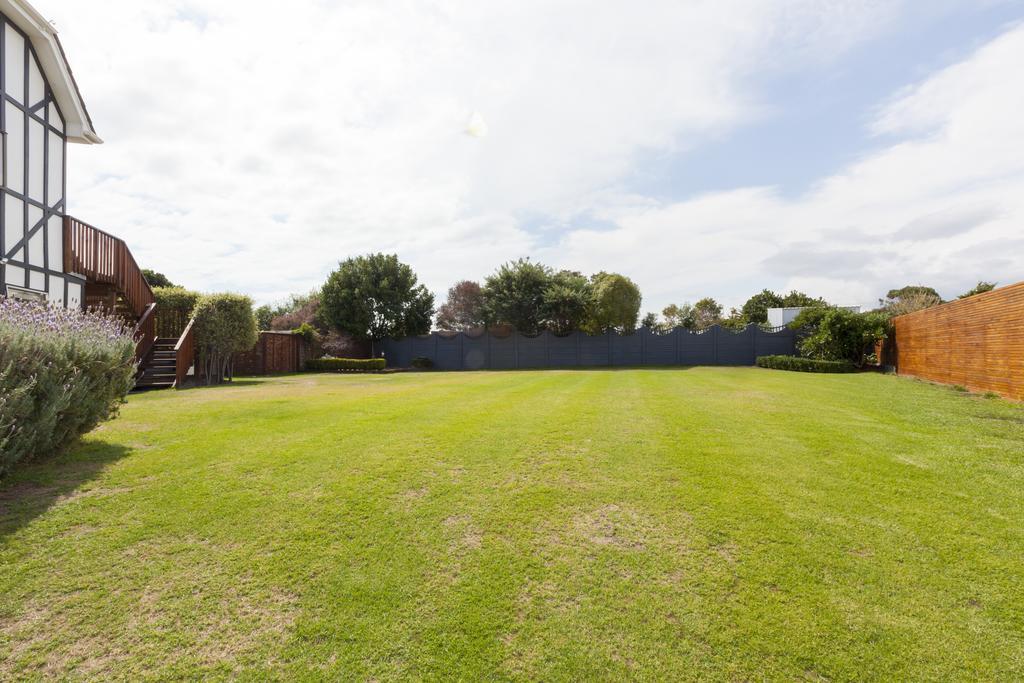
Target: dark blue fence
x=487 y=351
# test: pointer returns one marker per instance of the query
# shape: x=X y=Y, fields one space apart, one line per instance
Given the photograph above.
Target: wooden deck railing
x=184 y=355
x=145 y=333
x=101 y=257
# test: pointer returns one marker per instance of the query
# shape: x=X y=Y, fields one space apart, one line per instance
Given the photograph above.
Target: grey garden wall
x=486 y=351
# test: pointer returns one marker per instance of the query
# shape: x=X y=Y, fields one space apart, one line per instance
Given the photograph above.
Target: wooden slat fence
x=976 y=342
x=274 y=352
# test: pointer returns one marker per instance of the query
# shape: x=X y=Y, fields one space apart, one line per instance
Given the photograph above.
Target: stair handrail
x=99 y=256
x=144 y=333
x=184 y=354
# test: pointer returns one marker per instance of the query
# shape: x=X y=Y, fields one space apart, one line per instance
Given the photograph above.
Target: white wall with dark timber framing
x=32 y=204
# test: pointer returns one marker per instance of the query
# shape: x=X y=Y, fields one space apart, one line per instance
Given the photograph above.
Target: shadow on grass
x=35 y=486
x=237 y=382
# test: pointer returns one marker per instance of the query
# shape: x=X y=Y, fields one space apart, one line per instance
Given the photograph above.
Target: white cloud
x=252 y=150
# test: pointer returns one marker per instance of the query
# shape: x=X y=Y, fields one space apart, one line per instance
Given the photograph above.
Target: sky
x=702 y=148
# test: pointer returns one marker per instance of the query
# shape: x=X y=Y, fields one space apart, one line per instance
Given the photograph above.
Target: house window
x=22 y=294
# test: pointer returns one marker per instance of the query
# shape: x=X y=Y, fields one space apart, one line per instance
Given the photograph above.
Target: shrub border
x=345 y=364
x=798 y=364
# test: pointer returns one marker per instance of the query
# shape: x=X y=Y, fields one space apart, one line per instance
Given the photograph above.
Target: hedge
x=173 y=309
x=62 y=372
x=345 y=364
x=224 y=326
x=799 y=364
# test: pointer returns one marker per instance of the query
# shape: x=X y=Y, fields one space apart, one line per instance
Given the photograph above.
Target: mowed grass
x=704 y=523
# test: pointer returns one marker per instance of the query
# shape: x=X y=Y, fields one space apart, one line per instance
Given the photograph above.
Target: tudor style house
x=45 y=254
x=42 y=112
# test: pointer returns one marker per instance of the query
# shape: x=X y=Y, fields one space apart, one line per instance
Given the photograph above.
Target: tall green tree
x=567 y=300
x=615 y=304
x=980 y=288
x=263 y=314
x=909 y=299
x=376 y=296
x=679 y=316
x=155 y=279
x=464 y=308
x=706 y=312
x=755 y=310
x=514 y=295
x=798 y=299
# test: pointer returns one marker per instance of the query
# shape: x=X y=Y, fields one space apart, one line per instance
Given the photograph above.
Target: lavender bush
x=62 y=372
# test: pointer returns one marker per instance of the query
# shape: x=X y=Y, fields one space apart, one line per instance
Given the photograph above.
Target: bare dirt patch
x=466 y=536
x=613 y=525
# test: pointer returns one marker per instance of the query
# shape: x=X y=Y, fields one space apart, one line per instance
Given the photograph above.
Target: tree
x=464 y=308
x=909 y=299
x=299 y=310
x=615 y=304
x=224 y=325
x=155 y=279
x=755 y=310
x=263 y=314
x=679 y=316
x=831 y=333
x=376 y=296
x=650 y=321
x=797 y=299
x=567 y=300
x=980 y=288
x=736 y=320
x=706 y=312
x=514 y=295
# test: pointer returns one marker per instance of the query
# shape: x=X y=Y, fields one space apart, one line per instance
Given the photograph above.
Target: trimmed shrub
x=225 y=325
x=421 y=362
x=62 y=372
x=799 y=364
x=345 y=364
x=174 y=307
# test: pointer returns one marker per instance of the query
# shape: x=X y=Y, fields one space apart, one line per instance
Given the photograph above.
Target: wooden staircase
x=160 y=370
x=114 y=283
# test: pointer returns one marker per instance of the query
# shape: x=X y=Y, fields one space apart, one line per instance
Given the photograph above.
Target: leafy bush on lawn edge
x=798 y=364
x=345 y=364
x=62 y=372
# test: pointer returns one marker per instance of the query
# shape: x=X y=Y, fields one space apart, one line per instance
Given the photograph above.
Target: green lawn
x=705 y=523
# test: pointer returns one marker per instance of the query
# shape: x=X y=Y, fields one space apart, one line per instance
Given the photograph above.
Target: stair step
x=152 y=387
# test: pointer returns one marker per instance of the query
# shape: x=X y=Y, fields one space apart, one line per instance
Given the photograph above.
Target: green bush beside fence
x=345 y=364
x=62 y=372
x=798 y=364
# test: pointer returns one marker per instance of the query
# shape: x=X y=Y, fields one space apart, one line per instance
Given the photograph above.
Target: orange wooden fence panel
x=976 y=342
